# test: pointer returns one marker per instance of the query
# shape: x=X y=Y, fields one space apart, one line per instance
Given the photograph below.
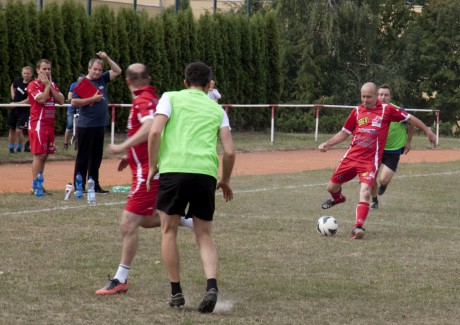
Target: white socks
x=122 y=273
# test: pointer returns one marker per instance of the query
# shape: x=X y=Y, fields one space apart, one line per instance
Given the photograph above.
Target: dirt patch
x=18 y=177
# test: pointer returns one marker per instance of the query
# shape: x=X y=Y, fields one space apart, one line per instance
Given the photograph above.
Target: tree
x=432 y=59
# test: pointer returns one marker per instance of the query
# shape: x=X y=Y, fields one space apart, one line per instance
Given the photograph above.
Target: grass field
x=273 y=266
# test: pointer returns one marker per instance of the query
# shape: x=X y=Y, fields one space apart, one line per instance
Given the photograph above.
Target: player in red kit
x=43 y=94
x=368 y=124
x=139 y=211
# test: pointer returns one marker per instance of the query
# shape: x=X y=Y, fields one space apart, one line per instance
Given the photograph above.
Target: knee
x=127 y=228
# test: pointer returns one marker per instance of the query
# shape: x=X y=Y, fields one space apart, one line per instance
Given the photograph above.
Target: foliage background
x=287 y=51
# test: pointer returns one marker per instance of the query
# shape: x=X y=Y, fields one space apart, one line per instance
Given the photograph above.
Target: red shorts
x=140 y=201
x=347 y=170
x=42 y=141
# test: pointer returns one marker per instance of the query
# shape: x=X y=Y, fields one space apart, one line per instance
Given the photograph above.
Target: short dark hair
x=39 y=63
x=386 y=86
x=198 y=74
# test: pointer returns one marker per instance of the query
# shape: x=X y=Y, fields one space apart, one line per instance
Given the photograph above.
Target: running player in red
x=368 y=124
x=139 y=211
x=43 y=94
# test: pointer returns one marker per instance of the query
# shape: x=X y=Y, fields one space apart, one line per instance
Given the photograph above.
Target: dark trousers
x=89 y=155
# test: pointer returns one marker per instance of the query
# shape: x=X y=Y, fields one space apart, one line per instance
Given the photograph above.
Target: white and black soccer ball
x=327 y=226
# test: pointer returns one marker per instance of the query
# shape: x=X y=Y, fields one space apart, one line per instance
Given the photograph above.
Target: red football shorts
x=347 y=170
x=140 y=201
x=42 y=141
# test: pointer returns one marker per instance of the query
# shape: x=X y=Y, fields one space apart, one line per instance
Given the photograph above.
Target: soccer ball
x=327 y=226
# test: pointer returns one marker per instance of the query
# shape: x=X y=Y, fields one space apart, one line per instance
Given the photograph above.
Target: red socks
x=362 y=210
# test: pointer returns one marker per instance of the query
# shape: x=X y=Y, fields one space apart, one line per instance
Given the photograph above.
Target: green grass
x=273 y=266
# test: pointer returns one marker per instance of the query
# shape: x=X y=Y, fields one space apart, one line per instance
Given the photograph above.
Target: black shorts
x=391 y=160
x=179 y=189
x=18 y=118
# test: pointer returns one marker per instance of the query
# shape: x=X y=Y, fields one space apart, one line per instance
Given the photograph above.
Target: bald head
x=369 y=95
x=137 y=75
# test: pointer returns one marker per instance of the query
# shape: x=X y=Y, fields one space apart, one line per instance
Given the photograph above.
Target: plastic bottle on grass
x=91 y=192
x=40 y=192
x=78 y=186
x=68 y=191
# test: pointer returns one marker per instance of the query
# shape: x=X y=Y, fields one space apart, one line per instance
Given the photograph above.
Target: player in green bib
x=182 y=146
x=398 y=142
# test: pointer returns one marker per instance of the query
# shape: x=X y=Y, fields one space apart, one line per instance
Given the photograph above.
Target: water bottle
x=39 y=192
x=68 y=191
x=78 y=186
x=91 y=192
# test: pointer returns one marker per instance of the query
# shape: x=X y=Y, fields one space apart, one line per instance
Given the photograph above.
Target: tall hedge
x=242 y=51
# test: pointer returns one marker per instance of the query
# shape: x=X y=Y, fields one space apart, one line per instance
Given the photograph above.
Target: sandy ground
x=18 y=177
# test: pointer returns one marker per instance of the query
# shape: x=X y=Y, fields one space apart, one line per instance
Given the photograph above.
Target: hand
x=226 y=190
x=407 y=148
x=43 y=78
x=152 y=173
x=431 y=137
x=97 y=97
x=102 y=55
x=323 y=147
x=123 y=163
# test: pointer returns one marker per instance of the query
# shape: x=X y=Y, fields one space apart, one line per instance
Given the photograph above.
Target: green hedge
x=243 y=51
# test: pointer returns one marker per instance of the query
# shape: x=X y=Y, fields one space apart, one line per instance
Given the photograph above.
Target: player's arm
x=419 y=124
x=154 y=142
x=228 y=161
x=139 y=137
x=410 y=134
x=336 y=139
x=12 y=91
x=58 y=96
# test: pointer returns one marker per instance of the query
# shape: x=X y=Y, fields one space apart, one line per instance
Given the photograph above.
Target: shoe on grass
x=177 y=300
x=209 y=301
x=357 y=233
x=375 y=205
x=113 y=287
x=382 y=189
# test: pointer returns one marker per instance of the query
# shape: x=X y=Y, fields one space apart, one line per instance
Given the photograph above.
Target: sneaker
x=11 y=150
x=209 y=302
x=19 y=150
x=375 y=205
x=66 y=146
x=357 y=233
x=382 y=189
x=99 y=190
x=113 y=287
x=329 y=203
x=177 y=300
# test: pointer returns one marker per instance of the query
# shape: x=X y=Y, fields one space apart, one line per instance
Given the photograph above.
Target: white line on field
x=264 y=189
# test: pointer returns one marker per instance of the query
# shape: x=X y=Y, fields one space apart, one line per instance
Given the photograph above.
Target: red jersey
x=370 y=129
x=41 y=115
x=144 y=107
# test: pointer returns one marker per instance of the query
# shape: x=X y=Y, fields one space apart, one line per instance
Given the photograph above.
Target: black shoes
x=382 y=189
x=329 y=203
x=375 y=205
x=177 y=300
x=209 y=301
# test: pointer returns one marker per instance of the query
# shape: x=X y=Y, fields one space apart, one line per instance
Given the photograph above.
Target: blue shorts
x=69 y=125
